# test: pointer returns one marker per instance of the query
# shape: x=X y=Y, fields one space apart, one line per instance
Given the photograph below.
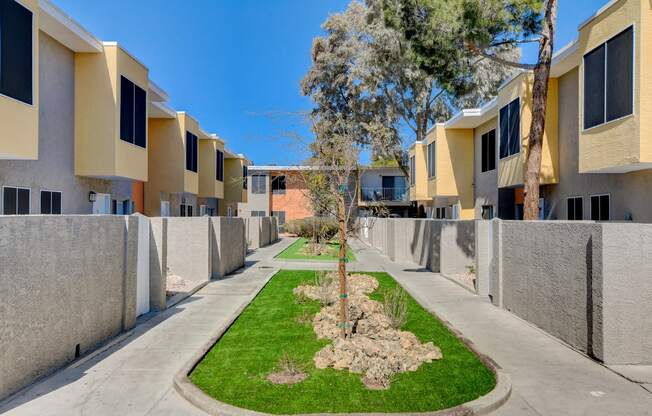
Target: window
x=488 y=151
x=133 y=113
x=487 y=212
x=185 y=210
x=258 y=184
x=16 y=201
x=412 y=170
x=191 y=152
x=600 y=208
x=245 y=173
x=440 y=213
x=257 y=213
x=432 y=166
x=16 y=67
x=50 y=202
x=278 y=184
x=280 y=215
x=219 y=168
x=510 y=128
x=609 y=80
x=575 y=208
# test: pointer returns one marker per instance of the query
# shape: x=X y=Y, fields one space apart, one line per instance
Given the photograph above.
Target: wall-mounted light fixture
x=92 y=196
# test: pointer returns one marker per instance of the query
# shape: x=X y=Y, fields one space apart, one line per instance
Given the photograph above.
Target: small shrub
x=395 y=306
x=301 y=298
x=314 y=228
x=323 y=281
x=304 y=318
x=471 y=269
x=287 y=364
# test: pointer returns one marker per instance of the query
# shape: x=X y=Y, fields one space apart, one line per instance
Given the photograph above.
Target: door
x=102 y=204
x=388 y=188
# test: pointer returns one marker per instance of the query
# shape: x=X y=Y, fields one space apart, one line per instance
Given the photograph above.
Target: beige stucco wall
x=209 y=187
x=167 y=163
x=234 y=192
x=99 y=151
x=19 y=122
x=419 y=191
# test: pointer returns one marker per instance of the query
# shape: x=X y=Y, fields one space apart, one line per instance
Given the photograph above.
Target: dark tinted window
x=620 y=75
x=56 y=202
x=191 y=152
x=9 y=197
x=126 y=110
x=510 y=129
x=594 y=76
x=278 y=184
x=46 y=202
x=600 y=208
x=412 y=171
x=244 y=177
x=16 y=51
x=575 y=209
x=219 y=168
x=182 y=211
x=432 y=160
x=140 y=116
x=489 y=151
x=504 y=132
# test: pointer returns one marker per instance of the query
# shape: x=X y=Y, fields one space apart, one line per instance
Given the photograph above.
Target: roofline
x=47 y=7
x=164 y=107
x=597 y=14
x=158 y=90
x=132 y=56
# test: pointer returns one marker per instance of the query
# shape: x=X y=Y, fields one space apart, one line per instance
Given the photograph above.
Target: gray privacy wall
x=67 y=283
x=261 y=231
x=228 y=245
x=589 y=284
x=442 y=246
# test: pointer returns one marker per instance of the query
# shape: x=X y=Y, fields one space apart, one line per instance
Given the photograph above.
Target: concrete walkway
x=548 y=377
x=134 y=376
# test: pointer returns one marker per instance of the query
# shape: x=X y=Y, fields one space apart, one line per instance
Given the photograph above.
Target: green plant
x=395 y=306
x=471 y=269
x=287 y=364
x=317 y=229
x=301 y=298
x=304 y=318
x=323 y=281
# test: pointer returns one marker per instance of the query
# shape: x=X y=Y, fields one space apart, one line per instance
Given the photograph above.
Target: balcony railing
x=380 y=194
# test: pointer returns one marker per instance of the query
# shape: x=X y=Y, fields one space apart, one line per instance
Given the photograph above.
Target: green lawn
x=293 y=252
x=234 y=371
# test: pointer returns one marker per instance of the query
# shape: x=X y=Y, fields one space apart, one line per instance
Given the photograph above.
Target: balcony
x=382 y=195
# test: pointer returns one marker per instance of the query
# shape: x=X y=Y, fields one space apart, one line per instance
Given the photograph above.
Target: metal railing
x=379 y=194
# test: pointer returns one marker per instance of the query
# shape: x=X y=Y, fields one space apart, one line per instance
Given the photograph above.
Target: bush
x=313 y=228
x=395 y=306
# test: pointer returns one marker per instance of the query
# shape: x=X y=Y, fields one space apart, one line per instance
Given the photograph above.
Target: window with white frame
x=432 y=160
x=510 y=129
x=600 y=208
x=258 y=184
x=575 y=208
x=258 y=213
x=412 y=170
x=609 y=80
x=50 y=202
x=16 y=200
x=440 y=213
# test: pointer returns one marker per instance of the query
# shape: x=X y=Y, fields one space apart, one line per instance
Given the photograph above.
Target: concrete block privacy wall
x=73 y=287
x=188 y=248
x=261 y=231
x=228 y=245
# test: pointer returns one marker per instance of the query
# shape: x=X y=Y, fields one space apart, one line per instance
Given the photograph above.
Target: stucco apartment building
x=597 y=149
x=80 y=126
x=383 y=187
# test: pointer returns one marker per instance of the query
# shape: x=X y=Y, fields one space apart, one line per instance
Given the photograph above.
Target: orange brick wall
x=294 y=202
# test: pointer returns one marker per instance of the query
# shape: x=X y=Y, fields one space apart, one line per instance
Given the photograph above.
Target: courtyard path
x=134 y=376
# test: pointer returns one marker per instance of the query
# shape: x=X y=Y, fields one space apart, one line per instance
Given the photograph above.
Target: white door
x=165 y=208
x=102 y=204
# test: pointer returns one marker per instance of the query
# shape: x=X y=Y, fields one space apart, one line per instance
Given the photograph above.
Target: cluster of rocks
x=373 y=347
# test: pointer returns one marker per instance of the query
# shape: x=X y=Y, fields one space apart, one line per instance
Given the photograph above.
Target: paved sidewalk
x=134 y=376
x=548 y=377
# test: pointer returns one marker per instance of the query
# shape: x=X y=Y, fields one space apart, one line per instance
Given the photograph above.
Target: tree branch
x=498 y=59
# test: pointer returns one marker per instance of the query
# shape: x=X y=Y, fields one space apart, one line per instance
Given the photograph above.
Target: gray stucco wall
x=55 y=167
x=228 y=245
x=261 y=231
x=188 y=248
x=64 y=281
x=485 y=183
x=158 y=262
x=258 y=202
x=457 y=246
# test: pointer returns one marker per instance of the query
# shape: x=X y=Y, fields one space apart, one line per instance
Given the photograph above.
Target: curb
x=480 y=406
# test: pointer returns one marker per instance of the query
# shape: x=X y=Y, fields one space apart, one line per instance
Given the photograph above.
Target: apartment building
x=76 y=122
x=277 y=191
x=72 y=112
x=384 y=187
x=186 y=168
x=236 y=169
x=597 y=147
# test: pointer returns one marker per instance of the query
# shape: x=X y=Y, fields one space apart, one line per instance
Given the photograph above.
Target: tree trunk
x=341 y=218
x=539 y=100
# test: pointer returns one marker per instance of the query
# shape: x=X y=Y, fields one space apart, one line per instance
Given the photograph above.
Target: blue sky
x=236 y=64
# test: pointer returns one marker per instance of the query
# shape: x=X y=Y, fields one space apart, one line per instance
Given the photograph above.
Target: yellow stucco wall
x=453 y=181
x=99 y=151
x=167 y=161
x=209 y=187
x=618 y=145
x=419 y=191
x=190 y=179
x=511 y=169
x=233 y=189
x=19 y=121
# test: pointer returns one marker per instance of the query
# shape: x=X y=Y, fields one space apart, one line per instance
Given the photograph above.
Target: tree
x=449 y=38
